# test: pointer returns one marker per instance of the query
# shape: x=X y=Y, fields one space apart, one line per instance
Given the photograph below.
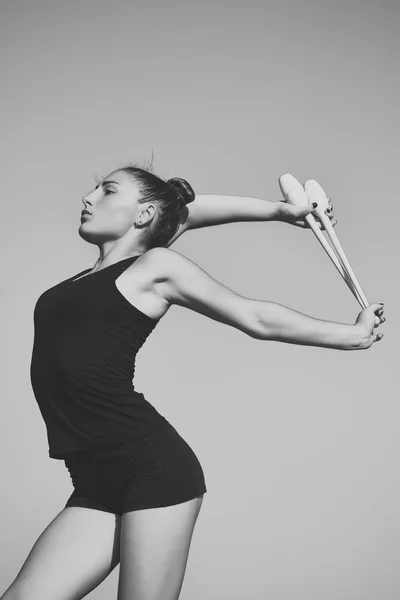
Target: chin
x=87 y=235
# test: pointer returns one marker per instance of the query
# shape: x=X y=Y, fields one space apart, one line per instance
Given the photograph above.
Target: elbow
x=259 y=333
x=256 y=327
x=264 y=321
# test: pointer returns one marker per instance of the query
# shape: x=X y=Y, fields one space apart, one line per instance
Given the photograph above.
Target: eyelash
x=98 y=181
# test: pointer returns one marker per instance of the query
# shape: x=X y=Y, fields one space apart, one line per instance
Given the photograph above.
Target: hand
x=367 y=320
x=295 y=215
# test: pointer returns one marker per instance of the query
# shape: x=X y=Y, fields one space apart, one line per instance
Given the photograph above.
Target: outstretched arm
x=207 y=210
x=178 y=280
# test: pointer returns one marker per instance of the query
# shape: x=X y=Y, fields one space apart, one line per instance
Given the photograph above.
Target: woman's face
x=113 y=206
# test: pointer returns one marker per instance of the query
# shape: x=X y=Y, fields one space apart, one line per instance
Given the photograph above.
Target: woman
x=138 y=486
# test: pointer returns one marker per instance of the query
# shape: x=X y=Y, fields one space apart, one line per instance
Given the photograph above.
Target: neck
x=111 y=258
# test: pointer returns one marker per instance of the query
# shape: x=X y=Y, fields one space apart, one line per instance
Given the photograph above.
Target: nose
x=88 y=198
x=85 y=200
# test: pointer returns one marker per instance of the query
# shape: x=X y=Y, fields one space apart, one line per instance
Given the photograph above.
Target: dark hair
x=170 y=196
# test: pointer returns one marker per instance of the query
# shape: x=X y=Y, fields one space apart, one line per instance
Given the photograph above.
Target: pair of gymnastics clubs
x=294 y=193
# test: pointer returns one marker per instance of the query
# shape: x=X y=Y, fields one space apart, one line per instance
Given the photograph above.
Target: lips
x=85 y=212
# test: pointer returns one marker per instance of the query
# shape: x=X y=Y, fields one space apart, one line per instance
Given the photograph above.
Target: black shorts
x=157 y=469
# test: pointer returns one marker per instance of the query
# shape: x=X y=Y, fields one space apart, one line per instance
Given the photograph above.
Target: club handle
x=332 y=234
x=316 y=193
x=324 y=243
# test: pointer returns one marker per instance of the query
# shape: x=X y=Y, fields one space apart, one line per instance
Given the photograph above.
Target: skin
x=163 y=277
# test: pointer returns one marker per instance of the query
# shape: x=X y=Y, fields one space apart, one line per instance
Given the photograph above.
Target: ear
x=147 y=213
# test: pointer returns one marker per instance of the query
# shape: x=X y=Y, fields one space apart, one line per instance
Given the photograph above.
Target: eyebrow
x=104 y=183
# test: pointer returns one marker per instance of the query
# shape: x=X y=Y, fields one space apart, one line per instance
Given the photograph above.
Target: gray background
x=299 y=445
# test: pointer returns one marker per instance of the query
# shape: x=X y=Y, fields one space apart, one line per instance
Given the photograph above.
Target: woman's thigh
x=154 y=549
x=71 y=557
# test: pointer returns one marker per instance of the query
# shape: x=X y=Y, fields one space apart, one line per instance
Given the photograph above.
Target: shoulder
x=172 y=273
x=158 y=253
x=161 y=253
x=162 y=262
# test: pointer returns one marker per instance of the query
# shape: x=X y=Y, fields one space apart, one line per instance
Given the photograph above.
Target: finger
x=376 y=306
x=377 y=337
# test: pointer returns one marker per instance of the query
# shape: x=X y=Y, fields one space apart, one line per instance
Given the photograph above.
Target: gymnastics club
x=316 y=193
x=295 y=194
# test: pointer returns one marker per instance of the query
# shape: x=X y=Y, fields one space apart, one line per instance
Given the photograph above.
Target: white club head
x=294 y=193
x=316 y=193
x=292 y=190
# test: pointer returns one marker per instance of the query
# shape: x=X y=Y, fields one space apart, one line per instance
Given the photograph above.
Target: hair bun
x=183 y=189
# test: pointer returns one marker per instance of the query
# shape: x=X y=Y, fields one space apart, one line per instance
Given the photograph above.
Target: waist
x=101 y=448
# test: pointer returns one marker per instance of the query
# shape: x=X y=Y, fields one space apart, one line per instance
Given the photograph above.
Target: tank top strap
x=114 y=269
x=78 y=274
x=121 y=266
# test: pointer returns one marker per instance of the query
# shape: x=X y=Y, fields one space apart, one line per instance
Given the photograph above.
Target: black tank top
x=86 y=338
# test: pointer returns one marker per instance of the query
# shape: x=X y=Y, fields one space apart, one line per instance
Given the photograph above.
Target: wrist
x=275 y=210
x=358 y=337
x=354 y=338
